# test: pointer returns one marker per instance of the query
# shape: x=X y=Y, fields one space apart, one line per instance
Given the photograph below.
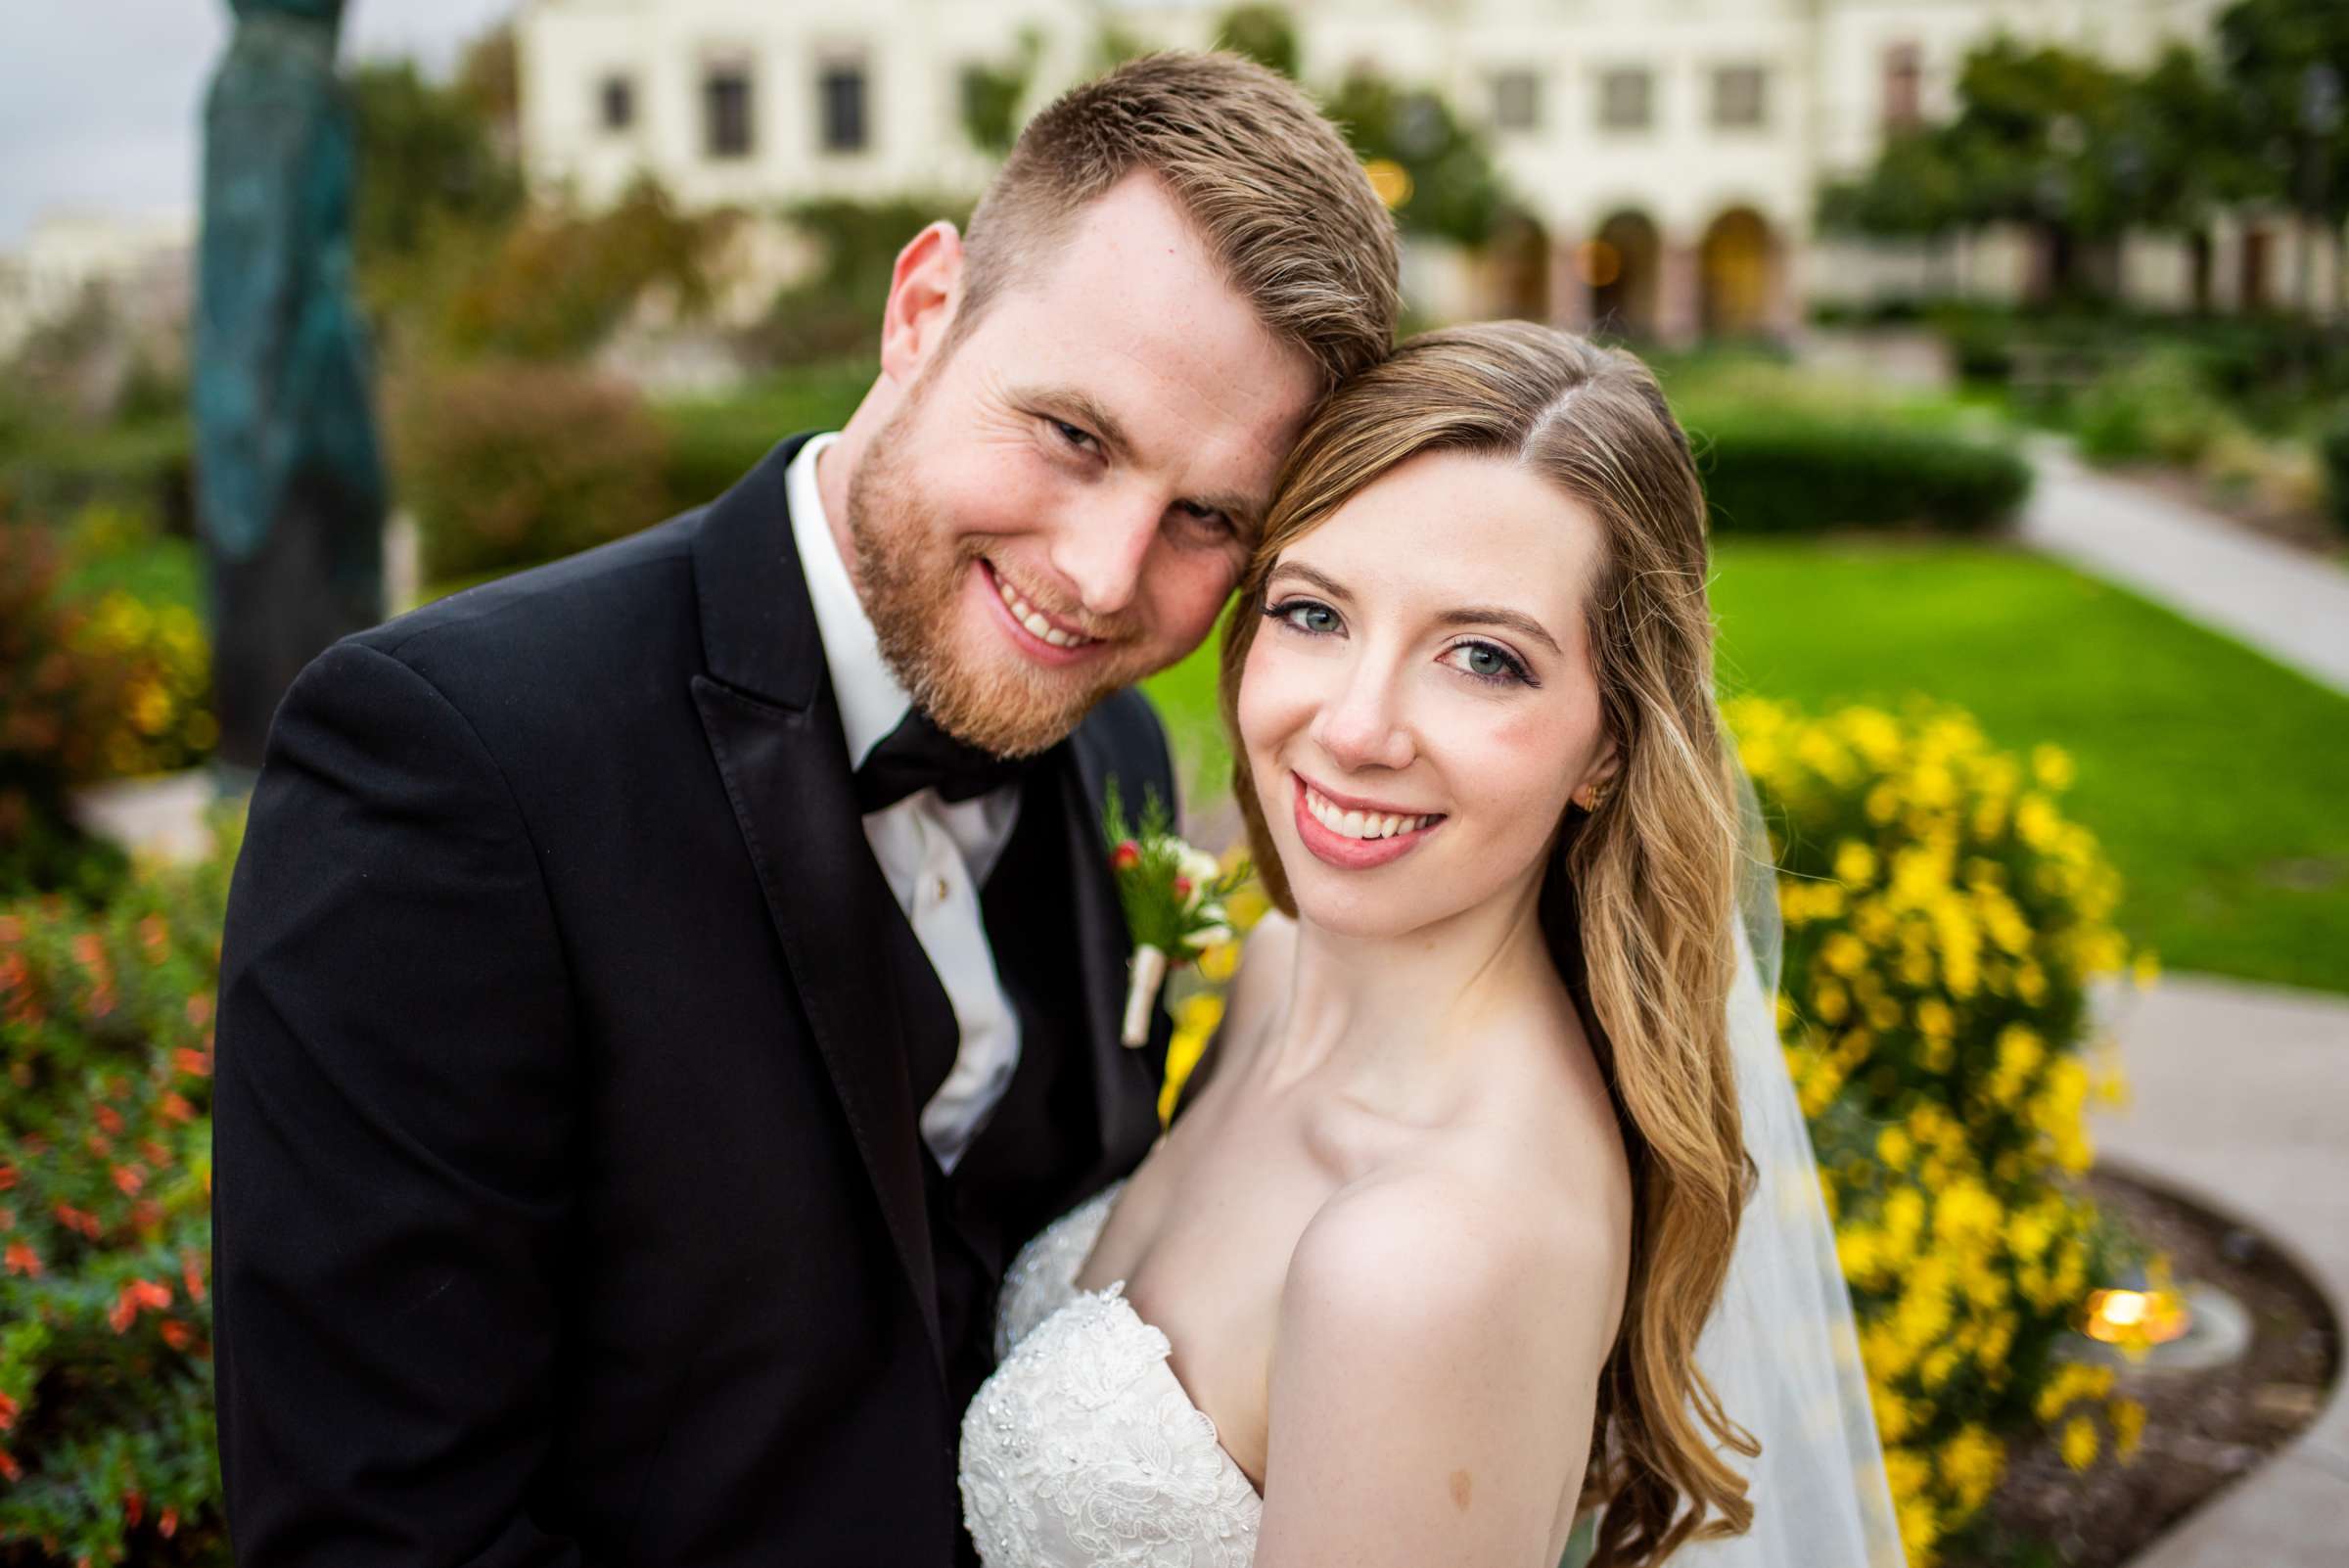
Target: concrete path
x=2240 y=1100
x=2287 y=603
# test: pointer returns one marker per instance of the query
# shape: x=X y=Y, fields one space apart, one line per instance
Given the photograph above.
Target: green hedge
x=2333 y=445
x=507 y=464
x=148 y=465
x=712 y=442
x=1771 y=473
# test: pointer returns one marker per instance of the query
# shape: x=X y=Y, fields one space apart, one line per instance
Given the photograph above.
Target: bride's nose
x=1360 y=725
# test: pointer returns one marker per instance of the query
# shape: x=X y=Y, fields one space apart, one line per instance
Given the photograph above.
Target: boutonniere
x=1173 y=894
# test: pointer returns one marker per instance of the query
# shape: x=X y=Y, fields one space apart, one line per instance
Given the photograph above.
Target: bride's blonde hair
x=1640 y=898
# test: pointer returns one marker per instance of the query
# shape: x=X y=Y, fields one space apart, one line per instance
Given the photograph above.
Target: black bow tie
x=919 y=756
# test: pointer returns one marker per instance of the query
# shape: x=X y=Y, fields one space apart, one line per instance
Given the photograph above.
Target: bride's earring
x=1595 y=798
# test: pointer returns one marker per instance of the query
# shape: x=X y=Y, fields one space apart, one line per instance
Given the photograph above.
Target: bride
x=1489 y=1214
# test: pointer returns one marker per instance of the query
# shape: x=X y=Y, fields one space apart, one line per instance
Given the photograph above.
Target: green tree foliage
x=429 y=168
x=553 y=283
x=2286 y=65
x=992 y=93
x=1455 y=192
x=1261 y=32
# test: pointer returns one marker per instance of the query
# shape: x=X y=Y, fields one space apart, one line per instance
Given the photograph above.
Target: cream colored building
x=1670 y=152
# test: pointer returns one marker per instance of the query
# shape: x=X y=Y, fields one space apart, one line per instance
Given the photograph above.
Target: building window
x=1738 y=101
x=615 y=102
x=1627 y=99
x=841 y=94
x=1516 y=101
x=1904 y=85
x=726 y=111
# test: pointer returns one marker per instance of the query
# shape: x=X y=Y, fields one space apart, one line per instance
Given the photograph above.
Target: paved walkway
x=2239 y=1093
x=2287 y=603
x=2240 y=1100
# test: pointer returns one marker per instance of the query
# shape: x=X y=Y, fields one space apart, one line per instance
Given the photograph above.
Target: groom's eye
x=1208 y=520
x=1081 y=439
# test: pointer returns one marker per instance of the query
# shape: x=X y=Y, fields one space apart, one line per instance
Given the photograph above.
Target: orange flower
x=177 y=1334
x=134 y=1508
x=195 y=1063
x=200 y=1010
x=8 y=1176
x=8 y=1413
x=191 y=1269
x=20 y=1259
x=175 y=1108
x=10 y=1469
x=169 y=1524
x=130 y=1179
x=111 y=1120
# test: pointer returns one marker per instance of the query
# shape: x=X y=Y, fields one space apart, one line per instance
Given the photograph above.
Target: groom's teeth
x=1360 y=824
x=1038 y=627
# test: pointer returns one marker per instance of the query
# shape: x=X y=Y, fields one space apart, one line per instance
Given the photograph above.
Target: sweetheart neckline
x=1115 y=1292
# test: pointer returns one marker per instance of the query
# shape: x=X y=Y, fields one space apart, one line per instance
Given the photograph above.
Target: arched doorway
x=1737 y=275
x=1620 y=267
x=1516 y=268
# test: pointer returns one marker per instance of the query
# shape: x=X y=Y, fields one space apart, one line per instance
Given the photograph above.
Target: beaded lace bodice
x=1082 y=1449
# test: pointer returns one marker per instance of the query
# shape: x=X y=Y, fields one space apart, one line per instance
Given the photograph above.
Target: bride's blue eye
x=1489 y=661
x=1305 y=615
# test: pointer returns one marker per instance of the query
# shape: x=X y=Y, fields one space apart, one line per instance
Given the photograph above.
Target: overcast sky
x=99 y=99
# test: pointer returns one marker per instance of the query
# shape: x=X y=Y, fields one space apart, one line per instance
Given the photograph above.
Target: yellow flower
x=1219 y=962
x=1855 y=863
x=1894 y=1148
x=1971 y=1463
x=2078 y=1443
x=2128 y=1420
x=2053 y=768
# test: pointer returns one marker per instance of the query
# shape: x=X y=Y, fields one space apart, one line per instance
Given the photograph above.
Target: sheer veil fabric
x=1782 y=1350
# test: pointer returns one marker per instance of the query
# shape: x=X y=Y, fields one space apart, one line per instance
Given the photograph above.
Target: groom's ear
x=924 y=290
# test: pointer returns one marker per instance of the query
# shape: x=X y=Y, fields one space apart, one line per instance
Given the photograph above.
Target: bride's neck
x=1389 y=1014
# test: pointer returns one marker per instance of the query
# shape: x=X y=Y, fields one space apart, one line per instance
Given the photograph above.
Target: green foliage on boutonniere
x=1173 y=893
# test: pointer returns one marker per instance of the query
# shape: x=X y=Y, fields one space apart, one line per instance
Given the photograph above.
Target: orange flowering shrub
x=106 y=1410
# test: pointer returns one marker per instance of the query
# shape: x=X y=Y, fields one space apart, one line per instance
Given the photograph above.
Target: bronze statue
x=290 y=482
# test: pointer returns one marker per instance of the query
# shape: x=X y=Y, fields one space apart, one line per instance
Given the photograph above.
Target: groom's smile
x=1050 y=637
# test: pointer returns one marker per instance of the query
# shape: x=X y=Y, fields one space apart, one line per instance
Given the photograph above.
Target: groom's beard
x=913 y=569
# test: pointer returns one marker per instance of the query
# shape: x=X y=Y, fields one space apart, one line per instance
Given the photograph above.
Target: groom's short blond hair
x=1269 y=185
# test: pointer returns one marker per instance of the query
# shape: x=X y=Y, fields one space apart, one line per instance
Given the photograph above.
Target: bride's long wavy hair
x=1638 y=903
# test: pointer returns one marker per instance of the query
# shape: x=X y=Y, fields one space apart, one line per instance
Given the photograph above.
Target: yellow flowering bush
x=163 y=719
x=1942 y=919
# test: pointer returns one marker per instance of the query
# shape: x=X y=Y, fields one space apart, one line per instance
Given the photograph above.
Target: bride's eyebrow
x=1317 y=580
x=1495 y=616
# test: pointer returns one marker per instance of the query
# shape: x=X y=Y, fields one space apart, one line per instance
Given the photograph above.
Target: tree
x=1261 y=32
x=2286 y=65
x=1452 y=190
x=992 y=95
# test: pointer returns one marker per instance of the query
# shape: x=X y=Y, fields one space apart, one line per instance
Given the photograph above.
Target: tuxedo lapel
x=773 y=728
x=1124 y=1080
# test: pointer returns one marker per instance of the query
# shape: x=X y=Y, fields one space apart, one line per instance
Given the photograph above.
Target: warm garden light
x=1390 y=179
x=2122 y=1316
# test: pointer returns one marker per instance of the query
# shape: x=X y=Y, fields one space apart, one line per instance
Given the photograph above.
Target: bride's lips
x=1007 y=603
x=1343 y=850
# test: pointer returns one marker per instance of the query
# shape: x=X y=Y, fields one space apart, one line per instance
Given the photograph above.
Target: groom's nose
x=1102 y=547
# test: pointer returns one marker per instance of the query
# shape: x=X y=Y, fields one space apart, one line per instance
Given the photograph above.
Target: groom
x=662 y=989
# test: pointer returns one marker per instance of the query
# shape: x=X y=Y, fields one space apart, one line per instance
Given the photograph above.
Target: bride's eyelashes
x=1296 y=614
x=1487 y=663
x=1498 y=667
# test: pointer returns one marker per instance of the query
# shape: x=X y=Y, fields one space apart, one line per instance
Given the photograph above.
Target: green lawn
x=2218 y=781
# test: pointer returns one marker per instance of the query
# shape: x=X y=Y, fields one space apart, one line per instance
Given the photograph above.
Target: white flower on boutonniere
x=1173 y=894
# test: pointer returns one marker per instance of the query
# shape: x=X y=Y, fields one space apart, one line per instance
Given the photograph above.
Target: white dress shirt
x=934 y=854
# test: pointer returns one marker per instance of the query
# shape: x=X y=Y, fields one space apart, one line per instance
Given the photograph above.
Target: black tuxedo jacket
x=570 y=1203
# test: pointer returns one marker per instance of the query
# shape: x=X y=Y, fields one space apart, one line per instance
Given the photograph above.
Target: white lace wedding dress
x=1083 y=1449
